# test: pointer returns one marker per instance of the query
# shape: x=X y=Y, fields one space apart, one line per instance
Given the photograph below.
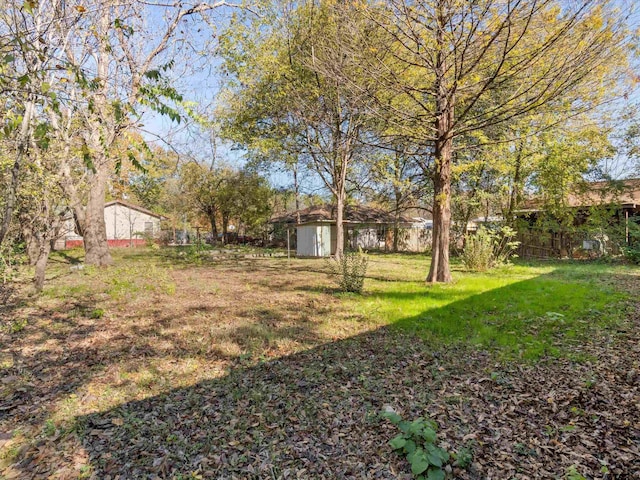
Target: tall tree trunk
x=443 y=149
x=396 y=217
x=31 y=242
x=214 y=227
x=41 y=263
x=440 y=270
x=296 y=189
x=396 y=232
x=23 y=146
x=94 y=229
x=514 y=197
x=225 y=226
x=341 y=196
x=339 y=253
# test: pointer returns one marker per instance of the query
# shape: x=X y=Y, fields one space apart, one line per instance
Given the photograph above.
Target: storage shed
x=313 y=233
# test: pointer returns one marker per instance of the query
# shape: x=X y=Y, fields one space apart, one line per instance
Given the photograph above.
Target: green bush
x=632 y=253
x=486 y=249
x=10 y=257
x=350 y=270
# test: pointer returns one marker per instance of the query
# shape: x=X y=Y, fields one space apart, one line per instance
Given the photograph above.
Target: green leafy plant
x=486 y=249
x=350 y=270
x=419 y=443
x=463 y=457
x=573 y=474
x=17 y=326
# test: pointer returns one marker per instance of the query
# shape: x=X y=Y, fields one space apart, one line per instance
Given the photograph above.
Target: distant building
x=128 y=225
x=313 y=230
x=617 y=201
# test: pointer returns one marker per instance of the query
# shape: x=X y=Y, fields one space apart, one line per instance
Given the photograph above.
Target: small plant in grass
x=350 y=270
x=463 y=457
x=572 y=473
x=418 y=441
x=17 y=326
x=487 y=249
x=632 y=253
x=49 y=428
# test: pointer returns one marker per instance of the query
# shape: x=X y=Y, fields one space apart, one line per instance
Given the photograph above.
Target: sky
x=200 y=80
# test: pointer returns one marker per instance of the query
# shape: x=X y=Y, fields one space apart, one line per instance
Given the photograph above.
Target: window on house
x=148 y=228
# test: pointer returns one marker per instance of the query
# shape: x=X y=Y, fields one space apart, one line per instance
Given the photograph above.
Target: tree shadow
x=315 y=414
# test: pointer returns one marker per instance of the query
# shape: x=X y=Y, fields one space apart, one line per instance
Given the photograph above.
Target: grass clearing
x=102 y=353
x=521 y=311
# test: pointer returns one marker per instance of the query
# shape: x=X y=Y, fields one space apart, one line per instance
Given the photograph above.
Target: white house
x=365 y=227
x=128 y=225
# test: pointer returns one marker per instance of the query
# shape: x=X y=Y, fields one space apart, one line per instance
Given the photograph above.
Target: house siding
x=125 y=227
x=123 y=223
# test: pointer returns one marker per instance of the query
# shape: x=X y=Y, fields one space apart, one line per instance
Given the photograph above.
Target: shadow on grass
x=310 y=415
x=315 y=414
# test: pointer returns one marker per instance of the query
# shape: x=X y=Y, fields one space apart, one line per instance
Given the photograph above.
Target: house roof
x=327 y=213
x=135 y=207
x=615 y=192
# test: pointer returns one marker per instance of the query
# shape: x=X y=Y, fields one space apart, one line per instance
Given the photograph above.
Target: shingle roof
x=617 y=192
x=327 y=213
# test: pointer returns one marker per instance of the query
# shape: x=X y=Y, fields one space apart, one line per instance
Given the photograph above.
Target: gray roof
x=352 y=214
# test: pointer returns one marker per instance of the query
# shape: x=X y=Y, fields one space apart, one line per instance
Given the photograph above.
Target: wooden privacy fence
x=549 y=244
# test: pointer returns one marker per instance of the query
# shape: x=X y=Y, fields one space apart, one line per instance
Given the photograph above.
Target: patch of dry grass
x=99 y=343
x=97 y=338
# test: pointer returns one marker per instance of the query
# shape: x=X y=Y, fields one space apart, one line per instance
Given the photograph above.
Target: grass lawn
x=169 y=365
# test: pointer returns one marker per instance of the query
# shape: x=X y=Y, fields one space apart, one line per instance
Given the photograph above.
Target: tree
x=398 y=183
x=26 y=64
x=282 y=95
x=460 y=67
x=254 y=201
x=223 y=194
x=202 y=187
x=105 y=65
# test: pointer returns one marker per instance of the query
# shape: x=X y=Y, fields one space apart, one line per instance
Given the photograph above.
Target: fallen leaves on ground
x=315 y=414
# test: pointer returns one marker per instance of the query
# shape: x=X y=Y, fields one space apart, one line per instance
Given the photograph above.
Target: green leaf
x=86 y=158
x=28 y=6
x=410 y=446
x=404 y=426
x=416 y=426
x=434 y=459
x=152 y=74
x=435 y=473
x=418 y=460
x=429 y=434
x=444 y=455
x=393 y=417
x=41 y=135
x=398 y=442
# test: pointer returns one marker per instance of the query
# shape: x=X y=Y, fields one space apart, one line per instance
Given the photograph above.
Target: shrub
x=632 y=253
x=350 y=270
x=419 y=443
x=10 y=257
x=486 y=249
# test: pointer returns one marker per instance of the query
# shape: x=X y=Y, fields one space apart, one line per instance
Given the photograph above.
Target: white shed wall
x=313 y=240
x=123 y=222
